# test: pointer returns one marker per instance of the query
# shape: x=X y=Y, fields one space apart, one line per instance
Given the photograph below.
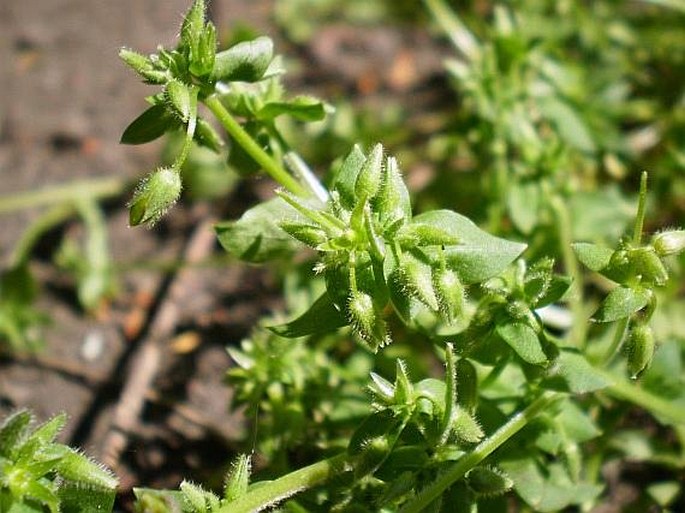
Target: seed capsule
x=367 y=321
x=488 y=482
x=639 y=349
x=155 y=194
x=450 y=294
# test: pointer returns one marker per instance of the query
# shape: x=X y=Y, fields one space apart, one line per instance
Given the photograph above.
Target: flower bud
x=415 y=278
x=308 y=234
x=649 y=266
x=488 y=482
x=155 y=194
x=369 y=178
x=450 y=294
x=366 y=320
x=639 y=349
x=467 y=385
x=668 y=243
x=238 y=478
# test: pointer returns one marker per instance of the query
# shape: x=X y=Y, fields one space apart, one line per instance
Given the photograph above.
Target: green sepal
x=144 y=66
x=306 y=233
x=392 y=203
x=256 y=236
x=238 y=478
x=181 y=98
x=622 y=302
x=321 y=317
x=192 y=27
x=346 y=176
x=202 y=58
x=244 y=62
x=13 y=432
x=159 y=501
x=369 y=178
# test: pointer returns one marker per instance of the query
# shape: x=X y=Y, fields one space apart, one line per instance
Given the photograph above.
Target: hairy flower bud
x=369 y=178
x=366 y=320
x=639 y=349
x=155 y=194
x=488 y=482
x=668 y=243
x=450 y=294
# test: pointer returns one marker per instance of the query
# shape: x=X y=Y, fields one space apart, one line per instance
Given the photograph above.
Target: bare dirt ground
x=142 y=380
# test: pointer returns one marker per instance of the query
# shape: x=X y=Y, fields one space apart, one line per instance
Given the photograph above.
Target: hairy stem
x=482 y=451
x=262 y=497
x=668 y=411
x=241 y=137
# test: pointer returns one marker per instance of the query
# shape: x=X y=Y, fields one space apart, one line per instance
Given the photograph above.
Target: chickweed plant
x=422 y=363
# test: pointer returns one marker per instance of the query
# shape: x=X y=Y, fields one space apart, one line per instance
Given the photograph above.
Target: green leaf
x=569 y=123
x=622 y=302
x=555 y=291
x=322 y=316
x=478 y=255
x=256 y=236
x=600 y=215
x=524 y=340
x=150 y=125
x=549 y=488
x=523 y=204
x=244 y=62
x=592 y=256
x=577 y=374
x=302 y=108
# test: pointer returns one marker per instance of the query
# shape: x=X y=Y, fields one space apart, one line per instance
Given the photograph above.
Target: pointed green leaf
x=150 y=125
x=244 y=62
x=622 y=302
x=256 y=236
x=592 y=256
x=478 y=255
x=524 y=340
x=322 y=316
x=301 y=108
x=577 y=374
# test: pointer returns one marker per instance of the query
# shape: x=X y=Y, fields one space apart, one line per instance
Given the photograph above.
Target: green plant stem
x=95 y=189
x=641 y=206
x=53 y=217
x=270 y=493
x=668 y=411
x=483 y=450
x=241 y=137
x=576 y=302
